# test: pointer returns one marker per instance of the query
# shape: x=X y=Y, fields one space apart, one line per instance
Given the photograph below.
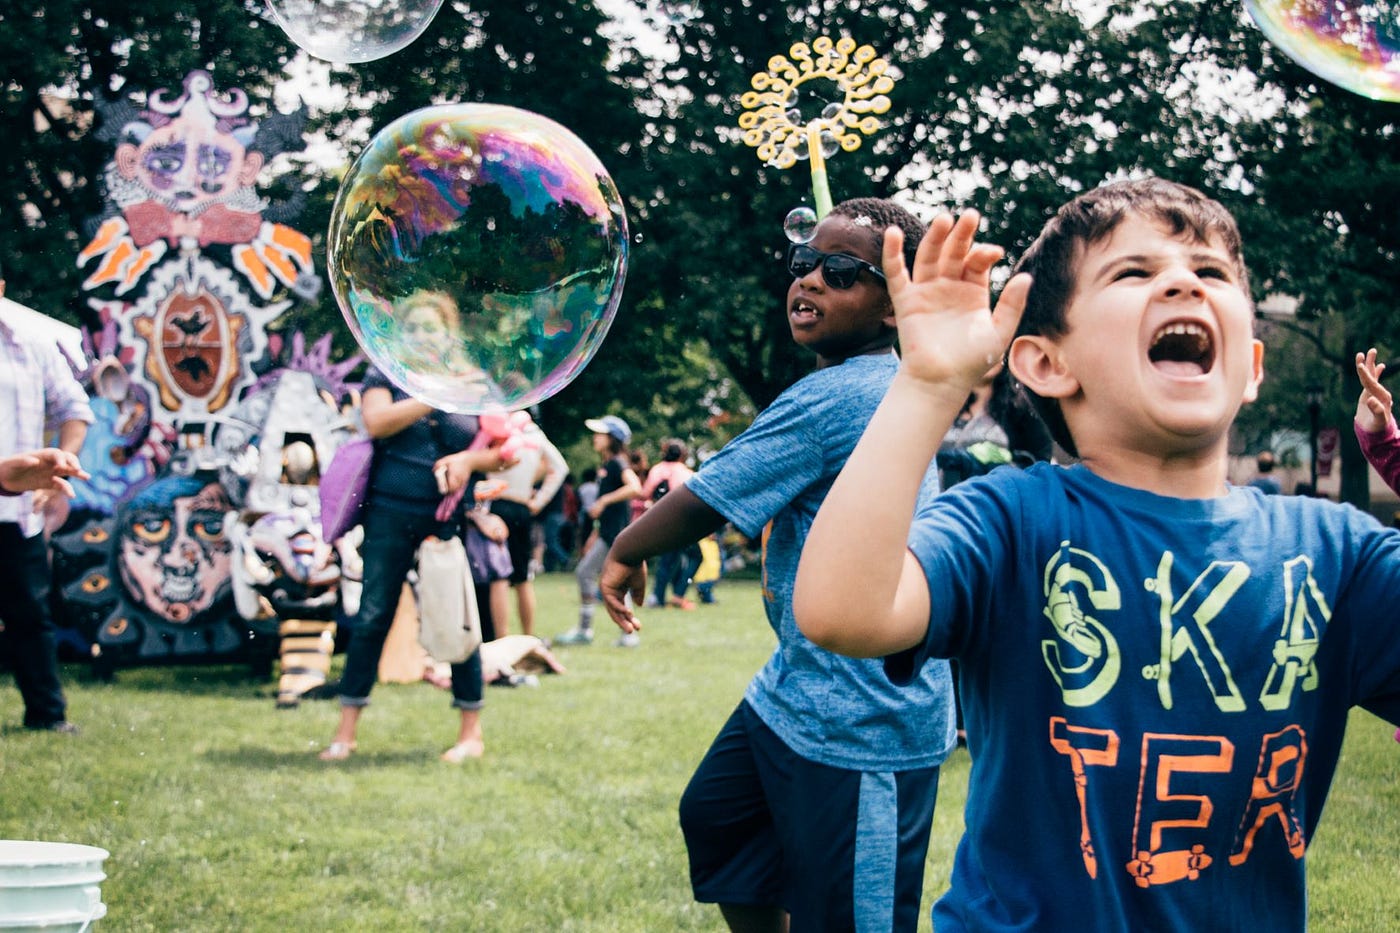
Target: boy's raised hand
x=948 y=333
x=1373 y=407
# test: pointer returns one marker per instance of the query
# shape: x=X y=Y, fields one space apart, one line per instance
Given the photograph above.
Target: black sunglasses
x=839 y=270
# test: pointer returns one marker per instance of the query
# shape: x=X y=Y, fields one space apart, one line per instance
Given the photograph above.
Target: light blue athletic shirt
x=1155 y=692
x=830 y=709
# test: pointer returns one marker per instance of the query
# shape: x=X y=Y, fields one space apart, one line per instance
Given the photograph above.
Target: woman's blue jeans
x=391 y=541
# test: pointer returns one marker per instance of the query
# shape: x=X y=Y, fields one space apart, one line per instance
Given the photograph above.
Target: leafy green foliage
x=1006 y=105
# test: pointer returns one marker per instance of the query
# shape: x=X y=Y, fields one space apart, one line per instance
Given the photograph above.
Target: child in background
x=1375 y=425
x=1157 y=667
x=816 y=798
x=707 y=573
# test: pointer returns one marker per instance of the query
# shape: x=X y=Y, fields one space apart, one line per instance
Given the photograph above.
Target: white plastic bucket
x=50 y=886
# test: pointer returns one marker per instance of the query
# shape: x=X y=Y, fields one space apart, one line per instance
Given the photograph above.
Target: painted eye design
x=152 y=530
x=209 y=529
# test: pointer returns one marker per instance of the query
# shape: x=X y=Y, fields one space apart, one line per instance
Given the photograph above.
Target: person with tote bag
x=413 y=442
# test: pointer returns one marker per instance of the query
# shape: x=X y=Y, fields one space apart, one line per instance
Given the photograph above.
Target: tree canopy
x=1010 y=106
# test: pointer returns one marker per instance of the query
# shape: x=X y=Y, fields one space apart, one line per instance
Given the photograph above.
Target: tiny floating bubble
x=800 y=225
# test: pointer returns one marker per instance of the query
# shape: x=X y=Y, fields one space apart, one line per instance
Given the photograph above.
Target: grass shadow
x=262 y=758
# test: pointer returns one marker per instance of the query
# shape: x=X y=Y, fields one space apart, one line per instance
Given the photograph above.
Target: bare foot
x=471 y=748
x=337 y=751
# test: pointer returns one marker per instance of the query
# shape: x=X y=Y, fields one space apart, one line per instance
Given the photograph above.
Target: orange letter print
x=1084 y=747
x=1162 y=757
x=1276 y=782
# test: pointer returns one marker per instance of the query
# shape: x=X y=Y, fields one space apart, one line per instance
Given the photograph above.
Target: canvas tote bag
x=449 y=626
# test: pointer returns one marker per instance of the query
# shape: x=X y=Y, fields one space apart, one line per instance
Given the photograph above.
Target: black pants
x=28 y=641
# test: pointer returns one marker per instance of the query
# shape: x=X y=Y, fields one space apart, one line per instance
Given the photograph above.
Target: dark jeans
x=674 y=569
x=391 y=539
x=29 y=641
x=556 y=555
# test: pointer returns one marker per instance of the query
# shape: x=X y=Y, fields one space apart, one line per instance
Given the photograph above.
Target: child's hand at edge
x=615 y=582
x=1373 y=406
x=948 y=333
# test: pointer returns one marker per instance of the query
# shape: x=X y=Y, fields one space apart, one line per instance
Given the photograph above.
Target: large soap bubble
x=353 y=30
x=1352 y=43
x=478 y=253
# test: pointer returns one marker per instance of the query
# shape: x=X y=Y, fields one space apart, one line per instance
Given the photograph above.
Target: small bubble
x=800 y=225
x=637 y=238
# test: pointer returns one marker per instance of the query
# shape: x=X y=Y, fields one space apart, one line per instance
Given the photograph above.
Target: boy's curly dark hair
x=1053 y=259
x=880 y=213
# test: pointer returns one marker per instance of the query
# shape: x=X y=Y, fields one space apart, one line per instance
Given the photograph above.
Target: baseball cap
x=611 y=425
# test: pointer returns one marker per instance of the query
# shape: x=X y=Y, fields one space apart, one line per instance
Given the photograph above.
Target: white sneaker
x=651 y=602
x=628 y=640
x=574 y=636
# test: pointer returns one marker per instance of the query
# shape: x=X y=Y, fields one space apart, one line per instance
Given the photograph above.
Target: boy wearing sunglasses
x=816 y=798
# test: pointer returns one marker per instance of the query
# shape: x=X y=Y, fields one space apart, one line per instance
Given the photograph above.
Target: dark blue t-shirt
x=1155 y=692
x=401 y=478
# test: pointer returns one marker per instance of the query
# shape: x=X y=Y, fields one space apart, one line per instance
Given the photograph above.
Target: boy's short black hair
x=1053 y=259
x=879 y=214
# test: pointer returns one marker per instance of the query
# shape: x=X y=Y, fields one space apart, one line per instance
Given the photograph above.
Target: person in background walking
x=612 y=510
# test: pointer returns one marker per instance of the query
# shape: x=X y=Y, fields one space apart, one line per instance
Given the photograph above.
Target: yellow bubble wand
x=770 y=116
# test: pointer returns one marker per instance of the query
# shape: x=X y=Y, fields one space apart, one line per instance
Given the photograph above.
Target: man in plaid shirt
x=38 y=394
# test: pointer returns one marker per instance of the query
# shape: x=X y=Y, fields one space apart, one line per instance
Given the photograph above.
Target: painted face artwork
x=174 y=560
x=191 y=164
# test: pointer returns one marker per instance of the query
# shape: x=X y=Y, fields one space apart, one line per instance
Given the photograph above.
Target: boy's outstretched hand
x=617 y=581
x=948 y=334
x=1373 y=407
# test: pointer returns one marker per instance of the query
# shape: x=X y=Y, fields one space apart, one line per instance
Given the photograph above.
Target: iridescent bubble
x=478 y=253
x=1353 y=44
x=830 y=145
x=353 y=30
x=800 y=225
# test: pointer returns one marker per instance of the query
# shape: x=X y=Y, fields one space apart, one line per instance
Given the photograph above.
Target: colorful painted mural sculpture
x=289 y=584
x=185 y=273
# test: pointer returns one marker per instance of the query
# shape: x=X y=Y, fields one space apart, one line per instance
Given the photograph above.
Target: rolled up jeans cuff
x=468 y=704
x=354 y=701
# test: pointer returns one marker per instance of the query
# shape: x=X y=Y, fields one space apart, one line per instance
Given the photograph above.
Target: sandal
x=471 y=748
x=337 y=751
x=431 y=675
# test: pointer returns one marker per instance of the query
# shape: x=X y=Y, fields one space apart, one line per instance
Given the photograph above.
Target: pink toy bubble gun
x=506 y=431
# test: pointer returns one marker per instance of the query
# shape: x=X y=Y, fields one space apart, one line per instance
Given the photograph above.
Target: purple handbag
x=343 y=486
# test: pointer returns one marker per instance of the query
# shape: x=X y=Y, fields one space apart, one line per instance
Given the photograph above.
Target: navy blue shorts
x=839 y=850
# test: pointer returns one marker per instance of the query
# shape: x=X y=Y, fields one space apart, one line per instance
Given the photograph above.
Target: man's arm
x=680 y=518
x=859 y=591
x=71 y=434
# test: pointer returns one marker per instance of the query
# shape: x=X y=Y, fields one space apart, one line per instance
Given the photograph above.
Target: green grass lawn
x=219 y=816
